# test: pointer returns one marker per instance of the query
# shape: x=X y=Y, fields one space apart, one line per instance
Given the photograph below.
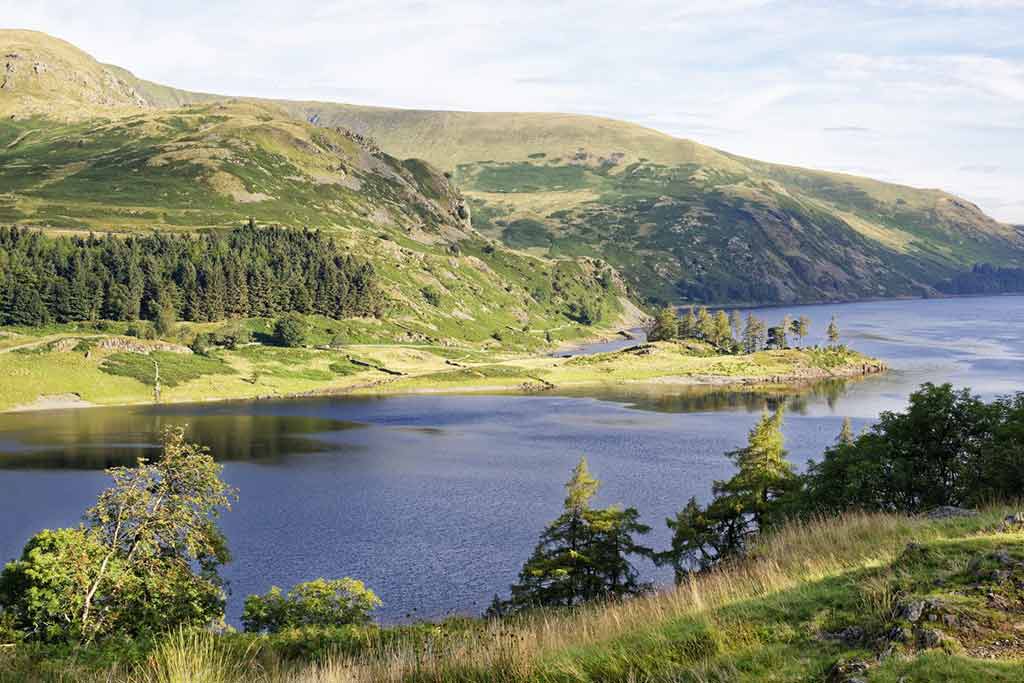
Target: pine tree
x=736 y=323
x=705 y=325
x=582 y=555
x=800 y=328
x=764 y=473
x=723 y=331
x=666 y=325
x=846 y=436
x=833 y=332
x=688 y=325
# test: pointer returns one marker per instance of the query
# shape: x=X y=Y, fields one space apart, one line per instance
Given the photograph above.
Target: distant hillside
x=83 y=147
x=680 y=221
x=684 y=221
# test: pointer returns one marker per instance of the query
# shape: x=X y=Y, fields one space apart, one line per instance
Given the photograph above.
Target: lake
x=436 y=501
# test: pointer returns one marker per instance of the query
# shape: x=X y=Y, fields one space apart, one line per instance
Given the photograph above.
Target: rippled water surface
x=436 y=501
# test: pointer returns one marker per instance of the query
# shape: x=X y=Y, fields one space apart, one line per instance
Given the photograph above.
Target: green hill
x=679 y=220
x=684 y=221
x=83 y=149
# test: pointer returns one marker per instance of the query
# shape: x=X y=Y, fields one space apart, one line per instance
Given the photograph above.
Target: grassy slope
x=777 y=617
x=114 y=165
x=680 y=220
x=674 y=215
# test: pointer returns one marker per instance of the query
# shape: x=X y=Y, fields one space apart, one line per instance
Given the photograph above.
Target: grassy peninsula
x=77 y=366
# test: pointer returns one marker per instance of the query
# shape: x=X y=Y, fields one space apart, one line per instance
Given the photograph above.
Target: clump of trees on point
x=733 y=333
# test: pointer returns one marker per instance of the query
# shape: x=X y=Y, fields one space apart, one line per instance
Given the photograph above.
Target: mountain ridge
x=681 y=221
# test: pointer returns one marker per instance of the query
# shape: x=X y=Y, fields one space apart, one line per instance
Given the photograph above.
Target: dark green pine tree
x=583 y=555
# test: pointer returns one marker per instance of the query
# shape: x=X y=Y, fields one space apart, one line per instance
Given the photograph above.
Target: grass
x=768 y=617
x=56 y=363
x=174 y=368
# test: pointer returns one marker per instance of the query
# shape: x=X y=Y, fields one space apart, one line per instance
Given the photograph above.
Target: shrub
x=322 y=603
x=165 y=320
x=432 y=296
x=201 y=344
x=290 y=331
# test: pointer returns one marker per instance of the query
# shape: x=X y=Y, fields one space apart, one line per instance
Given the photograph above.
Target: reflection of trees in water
x=669 y=399
x=100 y=438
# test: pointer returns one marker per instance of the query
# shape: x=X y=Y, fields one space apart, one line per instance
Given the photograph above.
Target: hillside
x=881 y=598
x=680 y=221
x=83 y=149
x=684 y=221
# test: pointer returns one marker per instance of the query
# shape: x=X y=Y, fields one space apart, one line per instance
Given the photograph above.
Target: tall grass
x=555 y=646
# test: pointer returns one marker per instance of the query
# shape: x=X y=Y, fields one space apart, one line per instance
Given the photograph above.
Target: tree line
x=244 y=272
x=734 y=332
x=985 y=278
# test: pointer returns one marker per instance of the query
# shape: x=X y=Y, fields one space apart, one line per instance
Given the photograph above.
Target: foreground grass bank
x=72 y=366
x=869 y=597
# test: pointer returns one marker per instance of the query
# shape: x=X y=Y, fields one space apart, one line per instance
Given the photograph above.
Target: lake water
x=435 y=501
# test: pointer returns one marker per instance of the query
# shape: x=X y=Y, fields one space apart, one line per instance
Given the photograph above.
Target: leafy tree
x=833 y=331
x=777 y=337
x=800 y=327
x=582 y=555
x=927 y=456
x=290 y=330
x=321 y=603
x=754 y=333
x=145 y=560
x=666 y=325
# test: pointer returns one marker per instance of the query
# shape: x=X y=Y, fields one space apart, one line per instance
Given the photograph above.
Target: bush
x=319 y=603
x=201 y=344
x=232 y=335
x=432 y=296
x=290 y=331
x=165 y=320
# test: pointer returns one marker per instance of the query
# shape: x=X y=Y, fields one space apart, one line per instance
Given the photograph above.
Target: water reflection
x=697 y=399
x=98 y=438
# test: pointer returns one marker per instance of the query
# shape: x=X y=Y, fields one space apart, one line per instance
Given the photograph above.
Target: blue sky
x=925 y=92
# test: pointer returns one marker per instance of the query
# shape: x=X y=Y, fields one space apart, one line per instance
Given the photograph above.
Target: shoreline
x=800 y=378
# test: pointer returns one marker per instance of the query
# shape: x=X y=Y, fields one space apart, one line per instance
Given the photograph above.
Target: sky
x=924 y=92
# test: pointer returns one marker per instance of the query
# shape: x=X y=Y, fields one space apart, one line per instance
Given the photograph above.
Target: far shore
x=663 y=365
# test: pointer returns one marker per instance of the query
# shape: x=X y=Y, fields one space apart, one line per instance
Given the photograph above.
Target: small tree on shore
x=319 y=603
x=145 y=560
x=666 y=325
x=583 y=555
x=290 y=330
x=833 y=331
x=800 y=327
